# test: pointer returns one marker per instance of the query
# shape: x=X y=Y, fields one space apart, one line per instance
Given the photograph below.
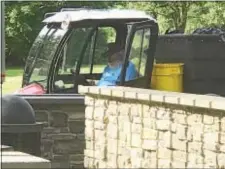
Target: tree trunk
x=179 y=14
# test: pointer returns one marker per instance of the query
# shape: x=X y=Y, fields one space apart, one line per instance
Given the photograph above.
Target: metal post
x=64 y=68
x=2 y=68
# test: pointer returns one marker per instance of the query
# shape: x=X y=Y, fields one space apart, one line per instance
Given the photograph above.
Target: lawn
x=12 y=72
x=13 y=80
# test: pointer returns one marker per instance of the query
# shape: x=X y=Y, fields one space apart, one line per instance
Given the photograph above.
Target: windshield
x=41 y=55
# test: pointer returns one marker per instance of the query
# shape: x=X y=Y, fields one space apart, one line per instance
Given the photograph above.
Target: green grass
x=12 y=72
x=86 y=69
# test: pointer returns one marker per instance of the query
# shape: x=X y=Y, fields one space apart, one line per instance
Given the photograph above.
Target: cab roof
x=97 y=14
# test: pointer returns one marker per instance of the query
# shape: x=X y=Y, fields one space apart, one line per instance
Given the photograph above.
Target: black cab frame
x=71 y=49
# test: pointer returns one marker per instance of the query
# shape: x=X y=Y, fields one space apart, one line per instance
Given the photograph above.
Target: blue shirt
x=112 y=75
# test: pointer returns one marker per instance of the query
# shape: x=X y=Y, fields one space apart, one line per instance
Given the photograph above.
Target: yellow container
x=168 y=77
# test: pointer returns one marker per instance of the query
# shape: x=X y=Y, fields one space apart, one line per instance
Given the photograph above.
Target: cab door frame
x=150 y=52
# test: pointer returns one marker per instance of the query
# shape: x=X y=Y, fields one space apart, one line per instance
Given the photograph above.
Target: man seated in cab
x=112 y=72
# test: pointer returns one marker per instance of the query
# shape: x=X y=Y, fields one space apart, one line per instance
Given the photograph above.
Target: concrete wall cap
x=201 y=101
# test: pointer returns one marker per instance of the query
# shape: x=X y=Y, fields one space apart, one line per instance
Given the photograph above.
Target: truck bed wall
x=62 y=139
x=204 y=59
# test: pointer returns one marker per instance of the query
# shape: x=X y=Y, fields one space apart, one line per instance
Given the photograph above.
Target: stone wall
x=63 y=135
x=138 y=128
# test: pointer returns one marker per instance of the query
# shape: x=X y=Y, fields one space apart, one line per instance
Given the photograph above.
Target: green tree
x=206 y=14
x=23 y=22
x=23 y=19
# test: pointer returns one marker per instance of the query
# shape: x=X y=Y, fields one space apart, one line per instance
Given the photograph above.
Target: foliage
x=23 y=18
x=23 y=22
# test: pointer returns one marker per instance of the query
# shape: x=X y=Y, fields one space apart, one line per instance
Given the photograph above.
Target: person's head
x=116 y=58
x=115 y=55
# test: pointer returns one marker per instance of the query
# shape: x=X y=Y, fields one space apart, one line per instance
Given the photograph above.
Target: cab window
x=95 y=58
x=72 y=49
x=69 y=57
x=138 y=55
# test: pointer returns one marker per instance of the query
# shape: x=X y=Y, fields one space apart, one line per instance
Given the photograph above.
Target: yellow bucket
x=167 y=77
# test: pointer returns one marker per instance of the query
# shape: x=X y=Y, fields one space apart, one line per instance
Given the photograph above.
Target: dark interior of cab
x=68 y=82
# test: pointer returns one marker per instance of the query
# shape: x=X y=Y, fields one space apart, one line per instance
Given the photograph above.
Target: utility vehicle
x=71 y=49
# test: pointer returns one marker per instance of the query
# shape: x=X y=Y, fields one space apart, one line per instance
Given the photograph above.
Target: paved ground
x=11 y=84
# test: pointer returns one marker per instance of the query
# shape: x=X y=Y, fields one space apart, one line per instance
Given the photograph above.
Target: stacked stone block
x=128 y=132
x=63 y=135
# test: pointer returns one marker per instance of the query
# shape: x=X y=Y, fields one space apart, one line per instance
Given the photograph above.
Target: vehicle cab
x=71 y=49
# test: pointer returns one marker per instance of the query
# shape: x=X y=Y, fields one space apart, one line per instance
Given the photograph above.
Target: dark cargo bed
x=203 y=57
